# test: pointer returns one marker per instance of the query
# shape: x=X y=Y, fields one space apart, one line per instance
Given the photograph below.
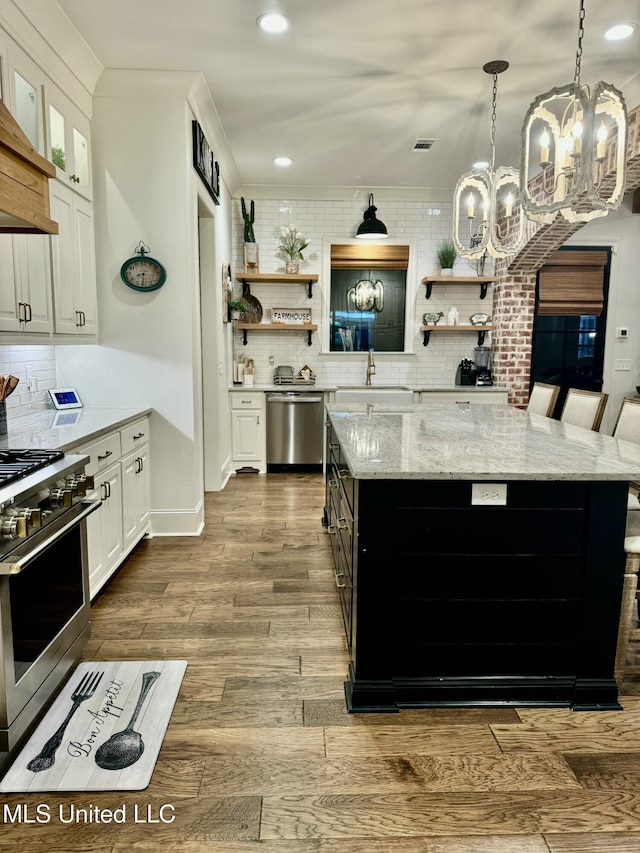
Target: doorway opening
x=570 y=320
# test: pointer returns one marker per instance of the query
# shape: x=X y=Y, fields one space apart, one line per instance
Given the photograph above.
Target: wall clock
x=142 y=272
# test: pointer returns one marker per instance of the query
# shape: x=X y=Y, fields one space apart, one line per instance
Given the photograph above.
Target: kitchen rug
x=103 y=732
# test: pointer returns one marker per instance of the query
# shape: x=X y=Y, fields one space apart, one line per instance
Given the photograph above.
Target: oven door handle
x=13 y=566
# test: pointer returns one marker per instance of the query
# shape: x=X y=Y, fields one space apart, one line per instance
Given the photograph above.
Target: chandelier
x=574 y=149
x=487 y=214
x=366 y=296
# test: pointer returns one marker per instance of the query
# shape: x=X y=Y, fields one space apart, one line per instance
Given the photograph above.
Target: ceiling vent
x=424 y=144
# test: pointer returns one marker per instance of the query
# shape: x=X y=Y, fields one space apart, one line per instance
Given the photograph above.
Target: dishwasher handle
x=293 y=397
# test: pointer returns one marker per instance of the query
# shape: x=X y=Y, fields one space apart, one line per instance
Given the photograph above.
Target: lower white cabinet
x=119 y=464
x=248 y=430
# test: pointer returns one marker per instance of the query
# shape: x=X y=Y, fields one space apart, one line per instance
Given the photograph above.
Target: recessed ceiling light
x=481 y=164
x=620 y=31
x=273 y=22
x=282 y=161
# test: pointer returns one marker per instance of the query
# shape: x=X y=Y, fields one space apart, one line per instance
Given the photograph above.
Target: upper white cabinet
x=26 y=83
x=68 y=141
x=74 y=265
x=25 y=284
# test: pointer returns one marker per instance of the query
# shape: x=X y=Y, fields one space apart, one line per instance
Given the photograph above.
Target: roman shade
x=362 y=255
x=571 y=283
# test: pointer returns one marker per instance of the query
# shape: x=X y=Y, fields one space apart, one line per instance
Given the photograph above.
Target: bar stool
x=542 y=399
x=584 y=408
x=629 y=592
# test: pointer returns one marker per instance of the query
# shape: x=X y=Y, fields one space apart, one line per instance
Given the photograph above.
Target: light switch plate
x=623 y=364
x=488 y=494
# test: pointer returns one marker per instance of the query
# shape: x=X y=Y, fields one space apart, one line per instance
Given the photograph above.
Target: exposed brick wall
x=514 y=293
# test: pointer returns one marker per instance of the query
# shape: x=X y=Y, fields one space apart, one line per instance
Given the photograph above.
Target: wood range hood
x=24 y=182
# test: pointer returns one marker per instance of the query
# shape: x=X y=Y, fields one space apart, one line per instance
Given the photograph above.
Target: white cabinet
x=119 y=464
x=67 y=134
x=466 y=395
x=248 y=430
x=26 y=82
x=74 y=265
x=25 y=283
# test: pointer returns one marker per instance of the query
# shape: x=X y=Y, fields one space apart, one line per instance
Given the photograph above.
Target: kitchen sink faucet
x=371 y=367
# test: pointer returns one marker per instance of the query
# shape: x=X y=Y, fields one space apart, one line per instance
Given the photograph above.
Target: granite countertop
x=448 y=441
x=473 y=389
x=67 y=428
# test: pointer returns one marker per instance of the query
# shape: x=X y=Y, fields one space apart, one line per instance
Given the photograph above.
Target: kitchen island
x=479 y=555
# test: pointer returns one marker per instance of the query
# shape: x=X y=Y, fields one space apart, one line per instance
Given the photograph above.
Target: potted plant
x=251 y=263
x=446 y=255
x=236 y=309
x=292 y=242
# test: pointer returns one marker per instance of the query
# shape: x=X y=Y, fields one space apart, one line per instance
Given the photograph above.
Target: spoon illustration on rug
x=124 y=748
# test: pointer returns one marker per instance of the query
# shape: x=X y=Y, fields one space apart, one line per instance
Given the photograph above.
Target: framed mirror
x=370 y=297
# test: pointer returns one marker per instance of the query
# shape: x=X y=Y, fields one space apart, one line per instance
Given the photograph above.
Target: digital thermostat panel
x=65 y=398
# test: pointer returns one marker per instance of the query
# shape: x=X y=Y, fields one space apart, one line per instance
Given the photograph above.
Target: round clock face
x=143 y=273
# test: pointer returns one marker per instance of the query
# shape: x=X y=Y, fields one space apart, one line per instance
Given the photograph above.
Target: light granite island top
x=479 y=442
x=479 y=556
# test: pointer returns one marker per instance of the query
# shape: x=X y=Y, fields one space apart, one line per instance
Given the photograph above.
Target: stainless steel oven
x=44 y=589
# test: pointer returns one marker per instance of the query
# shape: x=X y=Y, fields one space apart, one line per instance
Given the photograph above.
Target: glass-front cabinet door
x=67 y=133
x=26 y=81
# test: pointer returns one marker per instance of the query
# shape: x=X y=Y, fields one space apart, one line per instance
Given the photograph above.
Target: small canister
x=453 y=316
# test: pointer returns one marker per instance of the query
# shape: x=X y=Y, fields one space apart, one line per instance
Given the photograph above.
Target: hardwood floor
x=260 y=754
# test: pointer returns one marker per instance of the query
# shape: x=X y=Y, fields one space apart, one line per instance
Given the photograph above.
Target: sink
x=390 y=394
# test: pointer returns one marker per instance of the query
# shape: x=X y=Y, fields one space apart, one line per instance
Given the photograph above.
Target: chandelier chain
x=494 y=96
x=576 y=78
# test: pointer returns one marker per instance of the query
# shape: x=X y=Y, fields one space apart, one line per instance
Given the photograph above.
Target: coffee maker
x=466 y=373
x=482 y=358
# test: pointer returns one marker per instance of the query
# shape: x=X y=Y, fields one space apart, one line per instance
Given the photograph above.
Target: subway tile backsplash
x=425 y=223
x=37 y=362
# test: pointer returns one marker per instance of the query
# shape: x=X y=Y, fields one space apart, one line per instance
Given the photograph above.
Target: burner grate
x=15 y=464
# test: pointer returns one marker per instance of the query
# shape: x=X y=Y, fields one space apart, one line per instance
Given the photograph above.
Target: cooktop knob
x=13 y=527
x=61 y=497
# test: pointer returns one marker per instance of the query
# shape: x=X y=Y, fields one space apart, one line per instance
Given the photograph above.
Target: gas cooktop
x=15 y=464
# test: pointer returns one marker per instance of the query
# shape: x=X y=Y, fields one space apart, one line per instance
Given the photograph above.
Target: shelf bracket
x=309 y=333
x=425 y=342
x=483 y=289
x=310 y=291
x=429 y=286
x=244 y=337
x=481 y=338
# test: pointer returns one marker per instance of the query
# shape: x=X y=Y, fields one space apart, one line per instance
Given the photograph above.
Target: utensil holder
x=3 y=417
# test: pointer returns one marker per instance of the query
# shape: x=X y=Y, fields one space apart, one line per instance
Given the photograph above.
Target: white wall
x=149 y=351
x=621 y=231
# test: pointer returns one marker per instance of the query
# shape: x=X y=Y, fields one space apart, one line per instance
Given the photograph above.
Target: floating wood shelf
x=483 y=280
x=481 y=330
x=278 y=278
x=276 y=327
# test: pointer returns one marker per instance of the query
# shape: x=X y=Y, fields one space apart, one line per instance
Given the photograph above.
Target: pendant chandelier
x=371 y=228
x=366 y=296
x=487 y=214
x=574 y=149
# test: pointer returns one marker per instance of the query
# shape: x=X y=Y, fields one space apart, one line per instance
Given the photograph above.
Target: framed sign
x=291 y=316
x=205 y=163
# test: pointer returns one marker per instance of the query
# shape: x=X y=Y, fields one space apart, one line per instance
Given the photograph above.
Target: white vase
x=446 y=271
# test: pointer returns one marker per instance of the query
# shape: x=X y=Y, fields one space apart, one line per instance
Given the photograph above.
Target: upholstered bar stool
x=542 y=399
x=584 y=408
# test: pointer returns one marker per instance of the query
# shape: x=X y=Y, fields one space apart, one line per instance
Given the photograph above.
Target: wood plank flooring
x=260 y=754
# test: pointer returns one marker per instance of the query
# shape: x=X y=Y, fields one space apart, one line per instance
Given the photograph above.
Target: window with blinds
x=571 y=283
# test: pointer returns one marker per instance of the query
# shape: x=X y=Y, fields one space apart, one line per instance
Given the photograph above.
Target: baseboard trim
x=178 y=522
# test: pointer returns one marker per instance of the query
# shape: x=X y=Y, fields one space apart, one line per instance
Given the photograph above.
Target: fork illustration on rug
x=85 y=690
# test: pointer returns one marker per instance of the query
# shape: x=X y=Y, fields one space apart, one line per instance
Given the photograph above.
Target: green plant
x=57 y=156
x=292 y=242
x=249 y=219
x=446 y=254
x=237 y=305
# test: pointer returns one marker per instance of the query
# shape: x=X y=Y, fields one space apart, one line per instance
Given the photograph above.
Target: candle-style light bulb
x=485 y=211
x=576 y=132
x=601 y=136
x=470 y=206
x=508 y=205
x=544 y=147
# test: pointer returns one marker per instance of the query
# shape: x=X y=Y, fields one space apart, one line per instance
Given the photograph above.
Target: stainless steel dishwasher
x=295 y=427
